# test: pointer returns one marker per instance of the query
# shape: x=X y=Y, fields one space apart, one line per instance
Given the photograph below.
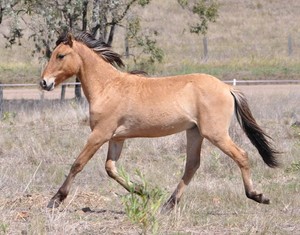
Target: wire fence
x=33 y=91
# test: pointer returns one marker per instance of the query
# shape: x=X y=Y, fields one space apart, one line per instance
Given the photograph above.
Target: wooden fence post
x=290 y=45
x=205 y=47
x=126 y=48
x=78 y=95
x=1 y=101
x=63 y=92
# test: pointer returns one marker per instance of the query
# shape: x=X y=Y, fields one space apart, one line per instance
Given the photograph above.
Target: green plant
x=9 y=116
x=294 y=167
x=215 y=160
x=143 y=209
x=3 y=228
x=296 y=130
x=149 y=52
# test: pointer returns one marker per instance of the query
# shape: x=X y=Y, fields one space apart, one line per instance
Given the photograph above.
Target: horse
x=124 y=105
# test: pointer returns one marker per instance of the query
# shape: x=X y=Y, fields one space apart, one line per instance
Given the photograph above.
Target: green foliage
x=294 y=167
x=49 y=18
x=206 y=10
x=153 y=52
x=133 y=28
x=143 y=209
x=16 y=32
x=3 y=228
x=296 y=130
x=8 y=117
x=146 y=45
x=206 y=14
x=183 y=3
x=143 y=2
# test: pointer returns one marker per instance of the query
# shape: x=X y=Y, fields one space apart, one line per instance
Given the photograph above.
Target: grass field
x=39 y=142
x=248 y=41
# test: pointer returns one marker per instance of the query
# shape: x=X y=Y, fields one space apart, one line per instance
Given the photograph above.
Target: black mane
x=101 y=48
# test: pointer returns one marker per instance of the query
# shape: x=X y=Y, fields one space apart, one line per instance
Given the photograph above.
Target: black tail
x=256 y=135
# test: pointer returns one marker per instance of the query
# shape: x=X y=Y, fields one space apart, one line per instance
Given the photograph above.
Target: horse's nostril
x=48 y=86
x=43 y=84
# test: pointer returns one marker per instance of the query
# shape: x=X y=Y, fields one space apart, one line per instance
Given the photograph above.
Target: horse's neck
x=94 y=72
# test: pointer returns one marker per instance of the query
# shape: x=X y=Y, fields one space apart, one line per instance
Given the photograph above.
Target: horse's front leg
x=95 y=141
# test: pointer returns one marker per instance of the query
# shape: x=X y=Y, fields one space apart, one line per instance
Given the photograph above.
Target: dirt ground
x=84 y=213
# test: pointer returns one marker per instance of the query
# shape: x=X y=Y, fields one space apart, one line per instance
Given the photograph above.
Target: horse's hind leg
x=113 y=155
x=194 y=142
x=241 y=158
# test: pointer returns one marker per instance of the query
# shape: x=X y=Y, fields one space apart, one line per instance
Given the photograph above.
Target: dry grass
x=39 y=143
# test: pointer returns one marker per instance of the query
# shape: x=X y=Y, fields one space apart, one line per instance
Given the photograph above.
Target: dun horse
x=124 y=105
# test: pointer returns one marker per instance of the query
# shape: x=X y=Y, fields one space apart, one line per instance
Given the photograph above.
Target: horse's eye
x=60 y=56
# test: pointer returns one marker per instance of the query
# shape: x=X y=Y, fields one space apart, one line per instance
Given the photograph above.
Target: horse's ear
x=70 y=39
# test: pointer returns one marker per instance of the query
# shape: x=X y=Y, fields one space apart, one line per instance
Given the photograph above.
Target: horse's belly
x=151 y=130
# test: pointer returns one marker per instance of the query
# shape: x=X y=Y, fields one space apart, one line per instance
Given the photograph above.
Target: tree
x=109 y=14
x=206 y=11
x=7 y=10
x=135 y=39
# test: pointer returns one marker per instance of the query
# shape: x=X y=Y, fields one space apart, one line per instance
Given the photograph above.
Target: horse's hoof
x=258 y=197
x=54 y=203
x=265 y=200
x=168 y=207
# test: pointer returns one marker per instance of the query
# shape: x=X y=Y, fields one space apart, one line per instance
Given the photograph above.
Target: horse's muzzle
x=47 y=86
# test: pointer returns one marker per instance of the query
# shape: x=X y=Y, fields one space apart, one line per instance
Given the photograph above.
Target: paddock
x=214 y=201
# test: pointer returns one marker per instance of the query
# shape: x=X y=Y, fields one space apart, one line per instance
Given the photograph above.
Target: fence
x=31 y=92
x=64 y=86
x=35 y=87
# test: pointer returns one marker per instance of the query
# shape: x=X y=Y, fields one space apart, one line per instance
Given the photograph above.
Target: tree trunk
x=1 y=13
x=205 y=48
x=78 y=95
x=84 y=15
x=1 y=101
x=111 y=34
x=126 y=48
x=103 y=10
x=95 y=18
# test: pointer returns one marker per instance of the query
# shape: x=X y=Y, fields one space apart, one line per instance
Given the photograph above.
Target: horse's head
x=63 y=64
